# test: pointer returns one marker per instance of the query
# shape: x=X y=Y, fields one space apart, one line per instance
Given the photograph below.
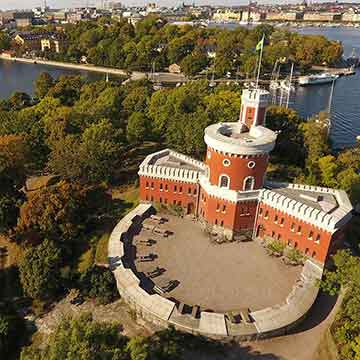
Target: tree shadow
x=319 y=311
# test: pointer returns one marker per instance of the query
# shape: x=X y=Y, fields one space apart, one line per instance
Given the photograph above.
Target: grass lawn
x=102 y=249
x=125 y=198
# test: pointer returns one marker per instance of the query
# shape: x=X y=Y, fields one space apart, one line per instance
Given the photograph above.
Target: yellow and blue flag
x=260 y=44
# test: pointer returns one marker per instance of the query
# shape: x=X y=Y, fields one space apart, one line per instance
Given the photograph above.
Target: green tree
x=81 y=338
x=99 y=150
x=223 y=106
x=137 y=128
x=328 y=170
x=194 y=63
x=40 y=271
x=43 y=84
x=5 y=41
x=99 y=283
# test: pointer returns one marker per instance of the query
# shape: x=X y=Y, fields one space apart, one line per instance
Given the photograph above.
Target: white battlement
x=152 y=167
x=329 y=222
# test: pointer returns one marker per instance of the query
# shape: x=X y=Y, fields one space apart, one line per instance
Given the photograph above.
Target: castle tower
x=253 y=107
x=237 y=158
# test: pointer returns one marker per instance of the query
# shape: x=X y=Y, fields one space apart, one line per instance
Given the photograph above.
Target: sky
x=28 y=4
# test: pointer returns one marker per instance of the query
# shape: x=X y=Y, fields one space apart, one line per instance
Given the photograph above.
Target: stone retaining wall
x=268 y=322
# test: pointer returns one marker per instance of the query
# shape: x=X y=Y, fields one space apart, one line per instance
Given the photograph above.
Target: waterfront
x=308 y=101
x=345 y=109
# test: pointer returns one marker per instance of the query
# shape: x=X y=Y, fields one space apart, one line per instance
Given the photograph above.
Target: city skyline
x=28 y=4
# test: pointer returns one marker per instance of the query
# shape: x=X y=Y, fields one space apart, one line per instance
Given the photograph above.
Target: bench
x=195 y=311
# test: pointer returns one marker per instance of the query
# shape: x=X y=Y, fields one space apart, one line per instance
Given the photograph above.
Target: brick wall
x=306 y=237
x=170 y=192
x=238 y=169
x=234 y=216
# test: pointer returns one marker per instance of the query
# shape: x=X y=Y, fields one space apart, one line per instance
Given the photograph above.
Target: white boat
x=323 y=78
x=274 y=85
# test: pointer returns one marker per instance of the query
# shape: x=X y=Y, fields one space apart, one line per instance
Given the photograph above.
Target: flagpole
x=260 y=59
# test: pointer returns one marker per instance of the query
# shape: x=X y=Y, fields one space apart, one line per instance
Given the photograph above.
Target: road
x=134 y=75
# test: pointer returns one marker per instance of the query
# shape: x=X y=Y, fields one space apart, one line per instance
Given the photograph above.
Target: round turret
x=238 y=160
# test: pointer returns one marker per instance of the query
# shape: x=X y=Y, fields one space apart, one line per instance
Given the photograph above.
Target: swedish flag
x=260 y=44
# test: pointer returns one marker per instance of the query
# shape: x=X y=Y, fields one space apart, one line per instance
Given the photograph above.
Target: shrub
x=294 y=256
x=98 y=282
x=275 y=247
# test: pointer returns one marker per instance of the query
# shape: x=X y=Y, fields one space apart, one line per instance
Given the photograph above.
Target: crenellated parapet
x=188 y=170
x=326 y=221
x=169 y=173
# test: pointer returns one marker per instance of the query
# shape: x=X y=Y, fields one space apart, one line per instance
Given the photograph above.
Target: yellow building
x=227 y=15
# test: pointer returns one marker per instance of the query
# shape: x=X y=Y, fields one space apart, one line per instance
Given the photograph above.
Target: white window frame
x=252 y=184
x=228 y=181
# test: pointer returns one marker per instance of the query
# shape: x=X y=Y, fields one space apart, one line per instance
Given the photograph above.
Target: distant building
x=351 y=17
x=229 y=194
x=43 y=41
x=28 y=41
x=6 y=17
x=52 y=42
x=284 y=16
x=253 y=16
x=322 y=16
x=227 y=15
x=23 y=19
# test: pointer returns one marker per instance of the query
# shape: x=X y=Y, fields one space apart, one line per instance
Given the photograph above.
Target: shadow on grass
x=202 y=348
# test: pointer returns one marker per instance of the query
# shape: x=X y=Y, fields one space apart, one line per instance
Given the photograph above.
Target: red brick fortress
x=229 y=191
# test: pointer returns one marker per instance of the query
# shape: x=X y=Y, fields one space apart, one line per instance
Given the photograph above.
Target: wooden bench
x=195 y=311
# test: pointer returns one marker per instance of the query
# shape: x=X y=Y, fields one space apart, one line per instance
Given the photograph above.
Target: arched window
x=224 y=181
x=249 y=183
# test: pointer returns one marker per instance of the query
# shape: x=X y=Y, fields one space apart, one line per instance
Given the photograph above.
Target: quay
x=133 y=75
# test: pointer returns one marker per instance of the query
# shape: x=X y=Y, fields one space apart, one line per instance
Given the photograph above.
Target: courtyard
x=217 y=277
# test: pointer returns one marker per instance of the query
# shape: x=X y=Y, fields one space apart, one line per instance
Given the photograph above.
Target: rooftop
x=228 y=137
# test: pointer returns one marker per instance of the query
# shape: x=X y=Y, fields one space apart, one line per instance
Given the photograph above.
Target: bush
x=294 y=257
x=98 y=283
x=275 y=247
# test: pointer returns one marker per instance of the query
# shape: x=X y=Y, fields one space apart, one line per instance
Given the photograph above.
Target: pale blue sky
x=28 y=4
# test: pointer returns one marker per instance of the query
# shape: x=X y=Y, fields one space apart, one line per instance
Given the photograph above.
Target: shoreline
x=165 y=77
x=81 y=67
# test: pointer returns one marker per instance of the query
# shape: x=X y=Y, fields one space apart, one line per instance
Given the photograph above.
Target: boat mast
x=329 y=106
x=289 y=89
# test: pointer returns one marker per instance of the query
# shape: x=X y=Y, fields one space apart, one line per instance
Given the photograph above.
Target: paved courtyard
x=216 y=277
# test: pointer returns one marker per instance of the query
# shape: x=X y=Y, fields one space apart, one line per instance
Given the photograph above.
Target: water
x=21 y=76
x=345 y=109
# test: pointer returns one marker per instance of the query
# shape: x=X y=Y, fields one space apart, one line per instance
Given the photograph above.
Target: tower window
x=224 y=181
x=251 y=164
x=226 y=162
x=249 y=183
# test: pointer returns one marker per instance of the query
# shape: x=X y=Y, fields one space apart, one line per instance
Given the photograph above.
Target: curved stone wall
x=275 y=320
